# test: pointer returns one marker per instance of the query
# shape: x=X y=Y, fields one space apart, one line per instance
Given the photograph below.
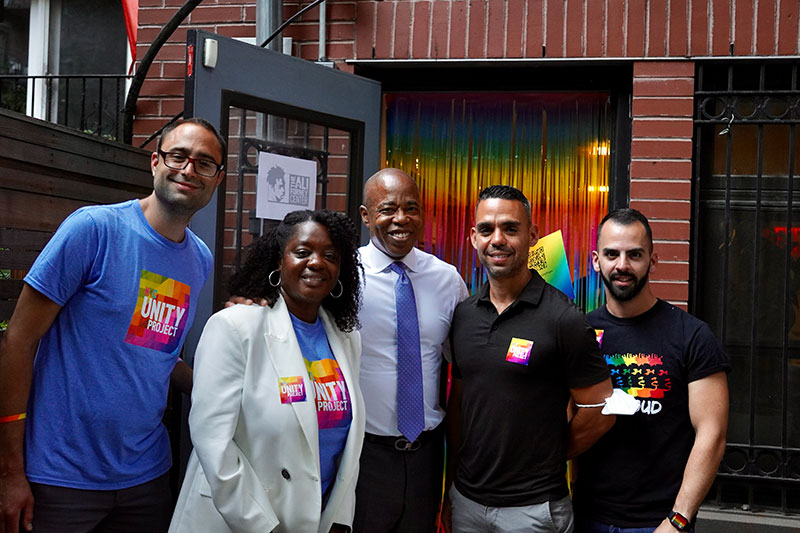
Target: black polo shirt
x=517 y=369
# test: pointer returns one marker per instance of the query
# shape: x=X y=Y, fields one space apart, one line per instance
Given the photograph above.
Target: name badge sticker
x=599 y=335
x=519 y=351
x=292 y=389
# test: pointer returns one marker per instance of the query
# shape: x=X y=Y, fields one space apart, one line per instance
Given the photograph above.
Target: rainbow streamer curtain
x=553 y=147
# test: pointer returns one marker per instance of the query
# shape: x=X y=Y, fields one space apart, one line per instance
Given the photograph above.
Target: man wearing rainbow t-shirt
x=651 y=471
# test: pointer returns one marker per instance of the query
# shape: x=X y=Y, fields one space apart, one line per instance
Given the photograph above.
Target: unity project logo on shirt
x=160 y=315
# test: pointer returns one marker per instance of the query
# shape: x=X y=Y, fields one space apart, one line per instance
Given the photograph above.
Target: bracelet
x=590 y=404
x=13 y=418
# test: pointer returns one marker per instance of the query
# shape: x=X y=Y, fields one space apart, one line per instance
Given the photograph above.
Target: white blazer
x=255 y=463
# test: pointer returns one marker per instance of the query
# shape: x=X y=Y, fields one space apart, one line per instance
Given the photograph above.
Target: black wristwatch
x=678 y=521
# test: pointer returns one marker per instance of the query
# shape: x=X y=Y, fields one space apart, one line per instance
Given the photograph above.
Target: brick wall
x=661 y=166
x=643 y=31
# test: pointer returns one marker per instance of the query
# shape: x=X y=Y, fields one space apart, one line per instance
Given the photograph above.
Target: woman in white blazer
x=277 y=418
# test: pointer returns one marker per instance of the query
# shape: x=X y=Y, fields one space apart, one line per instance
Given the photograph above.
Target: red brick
x=148 y=107
x=340 y=12
x=678 y=32
x=657 y=29
x=675 y=170
x=206 y=14
x=384 y=23
x=663 y=69
x=534 y=29
x=146 y=35
x=151 y=3
x=345 y=67
x=421 y=30
x=458 y=29
x=699 y=31
x=365 y=29
x=595 y=28
x=787 y=28
x=661 y=190
x=721 y=35
x=496 y=32
x=672 y=251
x=402 y=31
x=554 y=30
x=663 y=87
x=575 y=45
x=672 y=271
x=154 y=16
x=170 y=108
x=238 y=30
x=173 y=69
x=305 y=31
x=477 y=28
x=683 y=128
x=162 y=87
x=669 y=210
x=341 y=50
x=743 y=38
x=170 y=51
x=615 y=41
x=516 y=17
x=337 y=203
x=440 y=34
x=765 y=28
x=636 y=28
x=148 y=126
x=661 y=148
x=663 y=107
x=670 y=230
x=669 y=290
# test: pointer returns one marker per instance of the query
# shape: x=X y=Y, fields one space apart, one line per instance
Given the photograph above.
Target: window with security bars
x=746 y=270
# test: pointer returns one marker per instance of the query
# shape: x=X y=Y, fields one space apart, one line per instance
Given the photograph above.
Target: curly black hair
x=264 y=255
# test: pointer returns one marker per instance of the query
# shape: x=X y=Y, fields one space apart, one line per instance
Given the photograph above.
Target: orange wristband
x=13 y=418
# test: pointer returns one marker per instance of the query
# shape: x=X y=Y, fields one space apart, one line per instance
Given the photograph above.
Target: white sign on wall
x=284 y=184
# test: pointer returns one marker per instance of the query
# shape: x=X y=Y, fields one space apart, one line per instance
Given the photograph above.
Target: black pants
x=143 y=508
x=400 y=491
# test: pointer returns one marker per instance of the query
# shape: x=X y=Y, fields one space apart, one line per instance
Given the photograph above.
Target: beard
x=624 y=294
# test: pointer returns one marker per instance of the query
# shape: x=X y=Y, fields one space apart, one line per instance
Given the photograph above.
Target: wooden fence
x=47 y=172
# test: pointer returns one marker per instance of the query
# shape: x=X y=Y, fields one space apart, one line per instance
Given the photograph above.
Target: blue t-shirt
x=102 y=370
x=329 y=394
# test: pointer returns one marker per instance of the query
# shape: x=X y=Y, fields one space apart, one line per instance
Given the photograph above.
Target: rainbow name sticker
x=519 y=351
x=292 y=389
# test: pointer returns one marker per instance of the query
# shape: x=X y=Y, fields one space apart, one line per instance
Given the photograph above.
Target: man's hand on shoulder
x=16 y=502
x=246 y=301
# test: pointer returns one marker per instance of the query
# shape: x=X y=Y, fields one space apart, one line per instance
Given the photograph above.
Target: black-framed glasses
x=178 y=161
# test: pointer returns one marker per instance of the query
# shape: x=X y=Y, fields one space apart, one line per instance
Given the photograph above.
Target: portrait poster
x=284 y=184
x=549 y=258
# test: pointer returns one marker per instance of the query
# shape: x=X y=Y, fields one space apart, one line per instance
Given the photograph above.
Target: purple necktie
x=410 y=410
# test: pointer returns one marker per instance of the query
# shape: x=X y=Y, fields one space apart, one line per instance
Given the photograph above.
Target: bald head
x=392 y=211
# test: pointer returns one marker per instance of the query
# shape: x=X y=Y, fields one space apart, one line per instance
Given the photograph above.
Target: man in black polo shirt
x=521 y=350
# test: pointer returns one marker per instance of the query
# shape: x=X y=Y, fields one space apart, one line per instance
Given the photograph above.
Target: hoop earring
x=269 y=278
x=341 y=290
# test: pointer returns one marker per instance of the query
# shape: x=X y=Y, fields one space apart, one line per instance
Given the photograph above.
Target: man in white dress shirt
x=400 y=483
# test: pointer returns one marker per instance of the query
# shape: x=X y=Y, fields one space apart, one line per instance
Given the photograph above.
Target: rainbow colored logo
x=519 y=351
x=159 y=319
x=292 y=389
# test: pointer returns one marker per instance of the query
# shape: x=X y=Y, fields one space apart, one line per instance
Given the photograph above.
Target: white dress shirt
x=438 y=288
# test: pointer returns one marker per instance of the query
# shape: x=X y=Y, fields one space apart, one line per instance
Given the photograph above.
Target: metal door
x=266 y=101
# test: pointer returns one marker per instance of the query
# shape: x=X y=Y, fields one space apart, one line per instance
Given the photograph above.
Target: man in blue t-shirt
x=86 y=361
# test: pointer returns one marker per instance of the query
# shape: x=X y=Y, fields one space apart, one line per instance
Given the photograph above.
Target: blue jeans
x=589 y=526
x=472 y=517
x=598 y=527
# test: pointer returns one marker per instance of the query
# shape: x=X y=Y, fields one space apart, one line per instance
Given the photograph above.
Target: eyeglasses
x=178 y=161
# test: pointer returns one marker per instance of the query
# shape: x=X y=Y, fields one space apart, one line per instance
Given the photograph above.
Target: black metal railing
x=746 y=269
x=91 y=103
